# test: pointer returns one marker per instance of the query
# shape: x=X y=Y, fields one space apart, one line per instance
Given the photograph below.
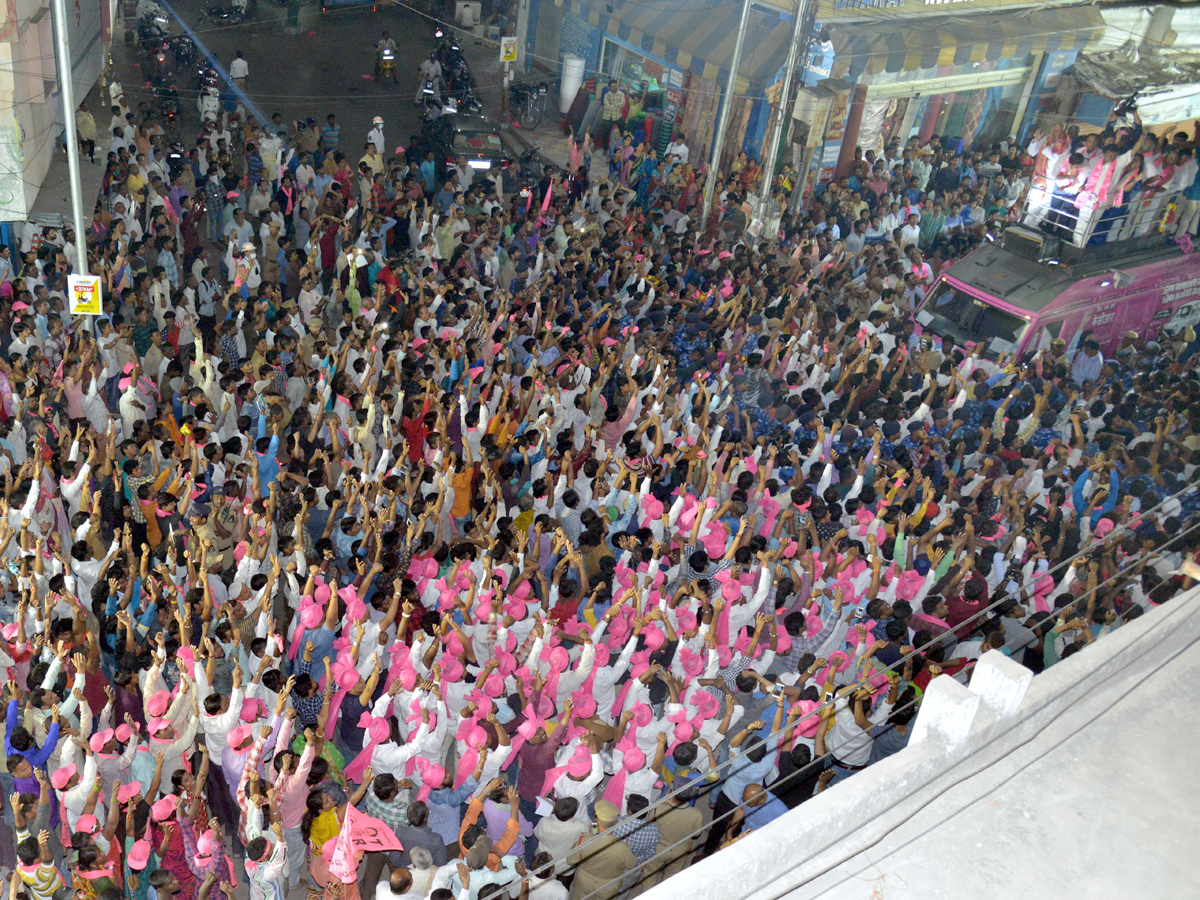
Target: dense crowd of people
x=559 y=536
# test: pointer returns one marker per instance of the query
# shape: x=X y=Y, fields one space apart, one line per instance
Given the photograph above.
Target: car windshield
x=949 y=312
x=477 y=141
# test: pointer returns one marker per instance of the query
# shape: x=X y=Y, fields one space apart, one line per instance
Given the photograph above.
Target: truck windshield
x=949 y=312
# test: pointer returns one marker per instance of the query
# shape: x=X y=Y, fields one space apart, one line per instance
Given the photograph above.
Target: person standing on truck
x=1049 y=152
x=1087 y=363
x=1189 y=203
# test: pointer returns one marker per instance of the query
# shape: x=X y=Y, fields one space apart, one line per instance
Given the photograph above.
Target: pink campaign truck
x=1020 y=292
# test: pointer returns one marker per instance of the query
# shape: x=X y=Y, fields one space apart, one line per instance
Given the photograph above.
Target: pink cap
x=238 y=736
x=123 y=732
x=252 y=709
x=204 y=849
x=164 y=808
x=87 y=824
x=154 y=726
x=158 y=703
x=1103 y=527
x=643 y=715
x=61 y=776
x=127 y=792
x=139 y=855
x=580 y=764
x=100 y=739
x=10 y=631
x=312 y=616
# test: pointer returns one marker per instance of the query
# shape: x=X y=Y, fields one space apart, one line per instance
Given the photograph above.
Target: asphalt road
x=327 y=67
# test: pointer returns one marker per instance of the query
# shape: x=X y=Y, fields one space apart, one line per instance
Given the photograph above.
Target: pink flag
x=341 y=863
x=370 y=834
x=573 y=167
x=546 y=199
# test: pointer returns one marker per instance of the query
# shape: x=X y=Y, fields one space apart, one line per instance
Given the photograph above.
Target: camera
x=1126 y=106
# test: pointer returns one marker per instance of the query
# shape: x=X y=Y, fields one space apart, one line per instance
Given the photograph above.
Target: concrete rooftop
x=1101 y=804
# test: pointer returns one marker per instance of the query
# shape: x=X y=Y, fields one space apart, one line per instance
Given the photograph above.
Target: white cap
x=377 y=121
x=247 y=248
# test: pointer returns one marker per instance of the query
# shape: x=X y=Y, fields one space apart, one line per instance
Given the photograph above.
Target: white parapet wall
x=960 y=733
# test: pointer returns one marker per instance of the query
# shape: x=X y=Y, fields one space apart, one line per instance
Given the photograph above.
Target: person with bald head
x=759 y=808
x=399 y=886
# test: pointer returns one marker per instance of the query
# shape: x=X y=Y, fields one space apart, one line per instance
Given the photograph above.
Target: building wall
x=544 y=52
x=580 y=37
x=31 y=116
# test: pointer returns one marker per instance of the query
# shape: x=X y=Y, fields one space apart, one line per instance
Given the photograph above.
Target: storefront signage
x=843 y=10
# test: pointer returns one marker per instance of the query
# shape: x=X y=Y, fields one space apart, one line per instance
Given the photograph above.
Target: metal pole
x=781 y=109
x=718 y=147
x=66 y=81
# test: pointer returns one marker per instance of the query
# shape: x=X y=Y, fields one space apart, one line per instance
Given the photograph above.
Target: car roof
x=475 y=123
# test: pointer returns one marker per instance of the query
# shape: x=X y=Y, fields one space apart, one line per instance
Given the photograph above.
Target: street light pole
x=710 y=183
x=66 y=81
x=782 y=110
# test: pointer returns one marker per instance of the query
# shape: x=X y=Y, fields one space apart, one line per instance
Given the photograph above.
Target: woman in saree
x=322 y=822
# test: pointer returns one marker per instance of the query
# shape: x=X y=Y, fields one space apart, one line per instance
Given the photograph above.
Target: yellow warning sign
x=84 y=294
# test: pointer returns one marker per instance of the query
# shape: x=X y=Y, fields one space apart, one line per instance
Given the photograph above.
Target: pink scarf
x=1099 y=181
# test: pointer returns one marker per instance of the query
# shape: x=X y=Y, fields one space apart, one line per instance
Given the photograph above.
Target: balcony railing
x=1078 y=220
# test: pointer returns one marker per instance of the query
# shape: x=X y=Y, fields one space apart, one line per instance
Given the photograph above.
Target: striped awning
x=695 y=37
x=961 y=40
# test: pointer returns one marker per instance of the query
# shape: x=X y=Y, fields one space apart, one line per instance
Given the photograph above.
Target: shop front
x=679 y=58
x=967 y=79
x=655 y=88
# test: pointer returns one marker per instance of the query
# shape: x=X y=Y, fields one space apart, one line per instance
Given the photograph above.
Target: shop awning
x=695 y=37
x=961 y=40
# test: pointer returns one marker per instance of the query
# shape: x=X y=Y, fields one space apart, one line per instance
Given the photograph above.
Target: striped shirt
x=43 y=879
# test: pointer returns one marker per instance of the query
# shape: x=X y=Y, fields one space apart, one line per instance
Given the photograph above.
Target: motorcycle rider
x=384 y=43
x=375 y=135
x=430 y=72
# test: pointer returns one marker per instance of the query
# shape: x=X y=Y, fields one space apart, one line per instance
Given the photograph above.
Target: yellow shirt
x=324 y=829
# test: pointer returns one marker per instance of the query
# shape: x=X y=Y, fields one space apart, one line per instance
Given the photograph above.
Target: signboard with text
x=859 y=10
x=83 y=292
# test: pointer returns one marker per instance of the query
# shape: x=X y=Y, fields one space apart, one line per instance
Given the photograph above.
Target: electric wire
x=1118 y=532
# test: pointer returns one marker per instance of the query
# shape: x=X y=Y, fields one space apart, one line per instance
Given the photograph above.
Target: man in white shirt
x=678 y=149
x=239 y=70
x=397 y=887
x=375 y=135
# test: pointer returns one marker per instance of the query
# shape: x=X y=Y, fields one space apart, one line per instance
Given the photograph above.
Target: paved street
x=327 y=67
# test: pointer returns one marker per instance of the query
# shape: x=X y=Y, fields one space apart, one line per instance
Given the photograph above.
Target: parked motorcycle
x=183 y=48
x=527 y=103
x=169 y=109
x=176 y=160
x=152 y=31
x=529 y=166
x=209 y=105
x=233 y=13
